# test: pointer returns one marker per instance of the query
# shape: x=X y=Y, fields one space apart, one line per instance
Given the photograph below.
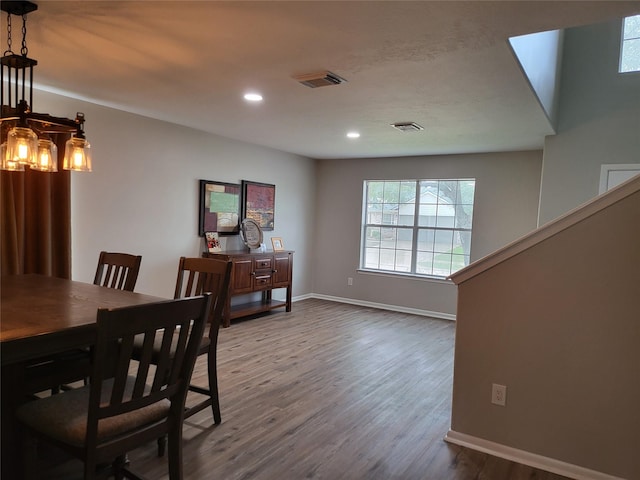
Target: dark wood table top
x=42 y=315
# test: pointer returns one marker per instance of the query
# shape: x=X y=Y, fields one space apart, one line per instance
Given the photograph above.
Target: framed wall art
x=220 y=205
x=259 y=201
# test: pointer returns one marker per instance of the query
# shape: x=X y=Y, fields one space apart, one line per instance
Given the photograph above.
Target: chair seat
x=64 y=416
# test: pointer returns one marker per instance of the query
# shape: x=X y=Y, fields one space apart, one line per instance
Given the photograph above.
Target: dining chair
x=114 y=270
x=117 y=270
x=196 y=276
x=127 y=403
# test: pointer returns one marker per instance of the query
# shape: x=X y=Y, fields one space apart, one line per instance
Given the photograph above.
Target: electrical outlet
x=349 y=281
x=499 y=395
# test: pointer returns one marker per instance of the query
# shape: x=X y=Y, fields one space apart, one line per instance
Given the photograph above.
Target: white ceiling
x=445 y=65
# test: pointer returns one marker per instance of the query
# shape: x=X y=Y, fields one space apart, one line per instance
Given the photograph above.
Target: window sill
x=408 y=276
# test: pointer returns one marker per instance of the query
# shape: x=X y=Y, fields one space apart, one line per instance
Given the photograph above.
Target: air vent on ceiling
x=407 y=126
x=320 y=79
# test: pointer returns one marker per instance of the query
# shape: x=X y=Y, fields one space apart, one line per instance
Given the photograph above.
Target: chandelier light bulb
x=8 y=164
x=47 y=156
x=22 y=146
x=77 y=155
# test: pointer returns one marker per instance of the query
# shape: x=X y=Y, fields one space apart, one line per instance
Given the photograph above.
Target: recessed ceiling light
x=353 y=135
x=253 y=97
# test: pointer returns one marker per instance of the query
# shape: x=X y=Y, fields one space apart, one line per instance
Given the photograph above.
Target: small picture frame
x=277 y=243
x=212 y=241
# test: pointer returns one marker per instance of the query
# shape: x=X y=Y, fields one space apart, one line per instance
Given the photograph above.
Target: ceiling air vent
x=321 y=79
x=407 y=126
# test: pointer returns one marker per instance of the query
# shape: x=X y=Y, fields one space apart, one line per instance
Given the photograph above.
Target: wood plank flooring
x=328 y=391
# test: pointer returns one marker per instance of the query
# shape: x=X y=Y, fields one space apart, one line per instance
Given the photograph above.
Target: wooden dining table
x=41 y=316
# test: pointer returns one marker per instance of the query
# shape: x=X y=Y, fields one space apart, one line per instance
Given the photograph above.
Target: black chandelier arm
x=49 y=124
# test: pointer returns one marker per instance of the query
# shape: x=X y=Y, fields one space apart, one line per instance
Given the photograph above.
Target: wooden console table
x=256 y=272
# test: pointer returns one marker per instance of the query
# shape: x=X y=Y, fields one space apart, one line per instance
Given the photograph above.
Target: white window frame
x=417 y=231
x=626 y=42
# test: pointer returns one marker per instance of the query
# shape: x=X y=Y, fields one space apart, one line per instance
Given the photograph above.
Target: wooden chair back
x=198 y=275
x=168 y=380
x=117 y=270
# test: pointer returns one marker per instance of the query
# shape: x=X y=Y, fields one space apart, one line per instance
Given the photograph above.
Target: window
x=630 y=51
x=417 y=227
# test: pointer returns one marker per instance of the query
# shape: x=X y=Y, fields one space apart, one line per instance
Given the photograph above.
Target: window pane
x=387 y=259
x=442 y=264
x=444 y=240
x=467 y=191
x=447 y=191
x=446 y=216
x=463 y=241
x=374 y=213
x=408 y=192
x=426 y=239
x=632 y=27
x=374 y=192
x=464 y=215
x=428 y=215
x=457 y=262
x=424 y=263
x=371 y=258
x=405 y=239
x=403 y=261
x=372 y=237
x=391 y=192
x=630 y=56
x=390 y=214
x=388 y=237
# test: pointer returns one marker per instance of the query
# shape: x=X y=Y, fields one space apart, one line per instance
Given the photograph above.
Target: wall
x=505 y=208
x=558 y=325
x=539 y=55
x=598 y=119
x=142 y=196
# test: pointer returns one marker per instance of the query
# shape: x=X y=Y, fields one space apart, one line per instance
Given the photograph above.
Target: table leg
x=12 y=398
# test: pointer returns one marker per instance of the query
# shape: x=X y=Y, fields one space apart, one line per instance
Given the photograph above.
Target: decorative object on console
x=28 y=136
x=251 y=233
x=277 y=243
x=212 y=241
x=219 y=208
x=259 y=203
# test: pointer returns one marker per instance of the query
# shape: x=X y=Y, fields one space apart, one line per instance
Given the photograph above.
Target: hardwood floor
x=329 y=391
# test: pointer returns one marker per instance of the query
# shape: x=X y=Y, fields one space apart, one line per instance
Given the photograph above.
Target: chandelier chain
x=8 y=51
x=24 y=49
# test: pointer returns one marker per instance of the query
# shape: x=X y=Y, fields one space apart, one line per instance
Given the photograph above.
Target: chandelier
x=28 y=133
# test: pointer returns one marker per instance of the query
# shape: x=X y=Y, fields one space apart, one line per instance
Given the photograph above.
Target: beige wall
x=559 y=325
x=506 y=203
x=142 y=196
x=598 y=119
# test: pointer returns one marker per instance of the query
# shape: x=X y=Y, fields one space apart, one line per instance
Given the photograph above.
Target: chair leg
x=175 y=453
x=30 y=455
x=118 y=467
x=213 y=389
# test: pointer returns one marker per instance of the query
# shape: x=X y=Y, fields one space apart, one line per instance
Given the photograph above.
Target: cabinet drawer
x=262 y=281
x=262 y=263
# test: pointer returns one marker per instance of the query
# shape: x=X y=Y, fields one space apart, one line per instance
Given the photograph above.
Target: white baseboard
x=526 y=458
x=381 y=306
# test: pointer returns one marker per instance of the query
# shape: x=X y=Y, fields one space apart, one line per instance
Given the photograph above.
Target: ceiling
x=445 y=65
